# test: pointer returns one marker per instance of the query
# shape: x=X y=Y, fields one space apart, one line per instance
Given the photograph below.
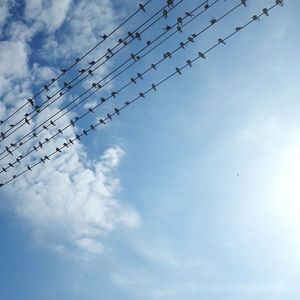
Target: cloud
x=71 y=203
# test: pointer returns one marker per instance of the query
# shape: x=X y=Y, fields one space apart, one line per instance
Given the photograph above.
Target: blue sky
x=151 y=205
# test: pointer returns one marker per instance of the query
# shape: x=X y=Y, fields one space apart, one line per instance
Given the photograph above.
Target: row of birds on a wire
x=9 y=150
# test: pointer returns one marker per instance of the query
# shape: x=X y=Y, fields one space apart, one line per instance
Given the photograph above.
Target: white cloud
x=71 y=202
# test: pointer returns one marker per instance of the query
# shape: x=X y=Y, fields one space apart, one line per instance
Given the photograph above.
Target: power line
x=94 y=87
x=91 y=110
x=141 y=8
x=142 y=94
x=68 y=86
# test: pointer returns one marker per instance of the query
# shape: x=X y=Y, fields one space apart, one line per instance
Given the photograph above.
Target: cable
x=141 y=8
x=68 y=86
x=91 y=110
x=142 y=94
x=96 y=84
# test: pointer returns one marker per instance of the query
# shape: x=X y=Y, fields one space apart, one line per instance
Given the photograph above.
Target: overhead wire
x=87 y=72
x=33 y=133
x=141 y=8
x=60 y=131
x=142 y=94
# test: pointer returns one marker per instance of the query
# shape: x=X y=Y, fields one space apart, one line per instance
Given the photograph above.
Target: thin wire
x=70 y=87
x=77 y=61
x=84 y=93
x=178 y=70
x=126 y=85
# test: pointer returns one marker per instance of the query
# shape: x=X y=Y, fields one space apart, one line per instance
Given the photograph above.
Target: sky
x=191 y=192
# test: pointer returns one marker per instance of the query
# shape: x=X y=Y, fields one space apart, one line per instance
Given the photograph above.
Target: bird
x=45 y=127
x=46 y=140
x=9 y=152
x=178 y=71
x=117 y=111
x=238 y=28
x=94 y=84
x=133 y=56
x=18 y=160
x=52 y=123
x=114 y=94
x=126 y=103
x=71 y=142
x=53 y=80
x=58 y=150
x=179 y=29
x=221 y=41
x=27 y=121
x=101 y=121
x=46 y=157
x=91 y=72
x=130 y=34
x=46 y=88
x=102 y=100
x=66 y=145
x=120 y=41
x=91 y=62
x=35 y=148
x=138 y=36
x=60 y=131
x=12 y=125
x=66 y=84
x=40 y=145
x=142 y=95
x=265 y=12
x=244 y=3
x=99 y=86
x=154 y=87
x=91 y=110
x=72 y=123
x=29 y=168
x=170 y=3
x=180 y=21
x=142 y=7
x=213 y=21
x=2 y=135
x=167 y=28
x=153 y=66
x=140 y=76
x=188 y=14
x=48 y=97
x=11 y=165
x=133 y=80
x=206 y=6
x=77 y=137
x=84 y=132
x=61 y=93
x=63 y=70
x=148 y=43
x=4 y=170
x=109 y=116
x=31 y=101
x=182 y=45
x=104 y=36
x=42 y=160
x=12 y=145
x=81 y=71
x=190 y=39
x=92 y=127
x=279 y=2
x=165 y=13
x=255 y=18
x=189 y=62
x=110 y=51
